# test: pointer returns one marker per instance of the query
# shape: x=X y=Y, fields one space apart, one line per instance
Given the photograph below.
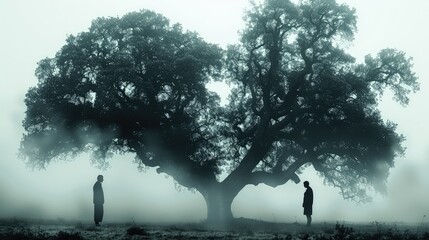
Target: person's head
x=100 y=178
x=306 y=184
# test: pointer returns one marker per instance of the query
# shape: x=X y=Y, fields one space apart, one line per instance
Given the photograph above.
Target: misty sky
x=33 y=30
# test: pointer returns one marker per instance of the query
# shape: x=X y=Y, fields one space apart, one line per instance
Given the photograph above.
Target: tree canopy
x=300 y=97
x=138 y=84
x=127 y=84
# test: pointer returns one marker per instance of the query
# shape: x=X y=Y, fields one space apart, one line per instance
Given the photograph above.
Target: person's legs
x=101 y=212
x=95 y=215
x=98 y=213
x=308 y=220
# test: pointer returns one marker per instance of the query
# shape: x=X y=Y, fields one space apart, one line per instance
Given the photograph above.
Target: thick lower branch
x=185 y=172
x=272 y=179
x=277 y=178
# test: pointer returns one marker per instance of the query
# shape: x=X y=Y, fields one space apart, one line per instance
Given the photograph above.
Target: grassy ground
x=239 y=229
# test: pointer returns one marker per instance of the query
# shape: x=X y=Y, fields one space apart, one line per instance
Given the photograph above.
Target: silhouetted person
x=98 y=200
x=308 y=202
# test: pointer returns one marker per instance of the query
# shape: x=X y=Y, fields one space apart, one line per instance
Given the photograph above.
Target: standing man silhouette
x=308 y=202
x=98 y=200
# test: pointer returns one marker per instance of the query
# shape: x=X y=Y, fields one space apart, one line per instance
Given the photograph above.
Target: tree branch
x=190 y=175
x=276 y=178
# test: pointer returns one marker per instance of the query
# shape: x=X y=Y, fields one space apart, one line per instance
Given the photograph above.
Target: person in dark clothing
x=98 y=200
x=308 y=202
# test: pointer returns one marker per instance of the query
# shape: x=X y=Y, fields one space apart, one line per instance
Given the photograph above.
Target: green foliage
x=62 y=235
x=391 y=68
x=24 y=233
x=342 y=232
x=134 y=230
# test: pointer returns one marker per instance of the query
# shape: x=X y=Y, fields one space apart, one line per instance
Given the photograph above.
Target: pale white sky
x=32 y=30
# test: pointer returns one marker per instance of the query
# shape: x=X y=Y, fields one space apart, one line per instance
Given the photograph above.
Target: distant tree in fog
x=137 y=84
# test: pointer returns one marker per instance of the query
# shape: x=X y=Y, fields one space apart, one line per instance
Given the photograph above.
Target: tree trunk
x=219 y=202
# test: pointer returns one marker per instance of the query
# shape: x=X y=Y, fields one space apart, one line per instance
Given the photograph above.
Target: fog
x=33 y=30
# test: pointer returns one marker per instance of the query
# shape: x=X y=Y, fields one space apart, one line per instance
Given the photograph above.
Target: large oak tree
x=138 y=84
